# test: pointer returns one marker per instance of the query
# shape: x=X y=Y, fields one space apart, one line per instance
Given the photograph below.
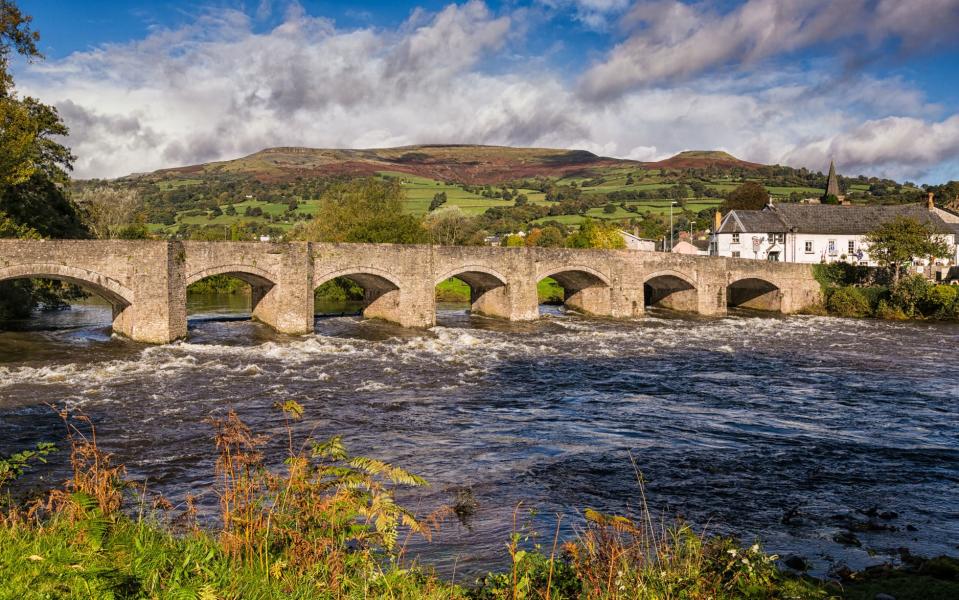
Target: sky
x=871 y=84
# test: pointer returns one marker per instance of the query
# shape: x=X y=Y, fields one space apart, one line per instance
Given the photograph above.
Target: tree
x=449 y=226
x=593 y=234
x=749 y=196
x=550 y=237
x=439 y=199
x=363 y=210
x=33 y=169
x=829 y=199
x=107 y=209
x=897 y=242
x=514 y=241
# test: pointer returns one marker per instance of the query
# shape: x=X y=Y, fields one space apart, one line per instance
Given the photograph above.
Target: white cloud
x=670 y=40
x=217 y=89
x=900 y=144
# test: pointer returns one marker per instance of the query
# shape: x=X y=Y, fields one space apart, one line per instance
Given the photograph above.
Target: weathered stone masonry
x=146 y=281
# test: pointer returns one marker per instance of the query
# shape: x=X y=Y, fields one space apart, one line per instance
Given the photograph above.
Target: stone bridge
x=146 y=281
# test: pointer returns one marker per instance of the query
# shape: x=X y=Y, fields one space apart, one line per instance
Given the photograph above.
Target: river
x=783 y=429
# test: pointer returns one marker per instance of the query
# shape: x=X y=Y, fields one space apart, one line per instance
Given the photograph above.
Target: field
x=424 y=171
x=420 y=191
x=308 y=208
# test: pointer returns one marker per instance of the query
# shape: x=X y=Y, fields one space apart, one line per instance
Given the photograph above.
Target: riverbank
x=327 y=525
x=850 y=291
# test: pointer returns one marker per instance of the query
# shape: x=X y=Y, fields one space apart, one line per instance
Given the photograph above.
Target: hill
x=475 y=165
x=469 y=164
x=272 y=190
x=702 y=159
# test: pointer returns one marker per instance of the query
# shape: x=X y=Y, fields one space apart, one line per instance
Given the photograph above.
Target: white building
x=694 y=248
x=819 y=233
x=634 y=242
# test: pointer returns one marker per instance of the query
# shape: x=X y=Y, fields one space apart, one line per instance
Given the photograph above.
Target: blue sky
x=873 y=84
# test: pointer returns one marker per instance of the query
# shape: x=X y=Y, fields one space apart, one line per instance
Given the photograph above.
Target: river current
x=784 y=429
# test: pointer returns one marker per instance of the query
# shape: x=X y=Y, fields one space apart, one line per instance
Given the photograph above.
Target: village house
x=634 y=242
x=821 y=233
x=692 y=247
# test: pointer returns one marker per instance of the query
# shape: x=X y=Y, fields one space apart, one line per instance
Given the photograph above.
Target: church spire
x=832 y=183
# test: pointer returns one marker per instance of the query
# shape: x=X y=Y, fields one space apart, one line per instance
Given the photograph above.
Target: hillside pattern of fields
x=279 y=187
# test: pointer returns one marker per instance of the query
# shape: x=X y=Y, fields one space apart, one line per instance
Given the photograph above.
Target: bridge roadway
x=146 y=281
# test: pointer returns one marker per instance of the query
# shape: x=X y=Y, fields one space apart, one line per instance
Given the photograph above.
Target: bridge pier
x=157 y=312
x=286 y=304
x=591 y=301
x=404 y=307
x=711 y=300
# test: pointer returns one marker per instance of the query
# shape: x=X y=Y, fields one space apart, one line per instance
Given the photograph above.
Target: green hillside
x=272 y=190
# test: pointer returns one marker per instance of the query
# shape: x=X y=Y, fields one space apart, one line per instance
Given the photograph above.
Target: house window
x=771 y=238
x=713 y=248
x=808 y=246
x=832 y=248
x=852 y=246
x=781 y=238
x=735 y=238
x=736 y=254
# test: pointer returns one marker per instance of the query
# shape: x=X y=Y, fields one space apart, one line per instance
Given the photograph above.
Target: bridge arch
x=107 y=288
x=381 y=290
x=262 y=286
x=371 y=279
x=489 y=295
x=476 y=276
x=575 y=277
x=755 y=293
x=584 y=289
x=671 y=289
x=253 y=275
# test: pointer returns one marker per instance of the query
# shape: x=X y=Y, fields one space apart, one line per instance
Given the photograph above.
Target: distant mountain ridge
x=471 y=164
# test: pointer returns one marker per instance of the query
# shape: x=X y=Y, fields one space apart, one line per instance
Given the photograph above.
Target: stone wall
x=146 y=281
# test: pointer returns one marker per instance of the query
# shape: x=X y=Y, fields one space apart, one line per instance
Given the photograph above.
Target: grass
x=325 y=524
x=455 y=290
x=419 y=193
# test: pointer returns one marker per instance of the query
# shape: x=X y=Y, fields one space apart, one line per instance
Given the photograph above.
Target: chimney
x=717 y=221
x=930 y=203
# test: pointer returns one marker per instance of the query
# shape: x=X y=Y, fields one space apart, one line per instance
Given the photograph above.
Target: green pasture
x=455 y=290
x=269 y=208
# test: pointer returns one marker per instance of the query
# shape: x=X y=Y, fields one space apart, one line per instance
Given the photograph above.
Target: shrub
x=886 y=310
x=841 y=273
x=874 y=294
x=942 y=301
x=910 y=294
x=849 y=302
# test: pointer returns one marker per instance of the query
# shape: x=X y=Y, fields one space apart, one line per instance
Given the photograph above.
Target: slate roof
x=834 y=219
x=700 y=244
x=753 y=221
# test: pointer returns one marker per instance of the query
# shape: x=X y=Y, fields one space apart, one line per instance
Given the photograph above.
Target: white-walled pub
x=820 y=233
